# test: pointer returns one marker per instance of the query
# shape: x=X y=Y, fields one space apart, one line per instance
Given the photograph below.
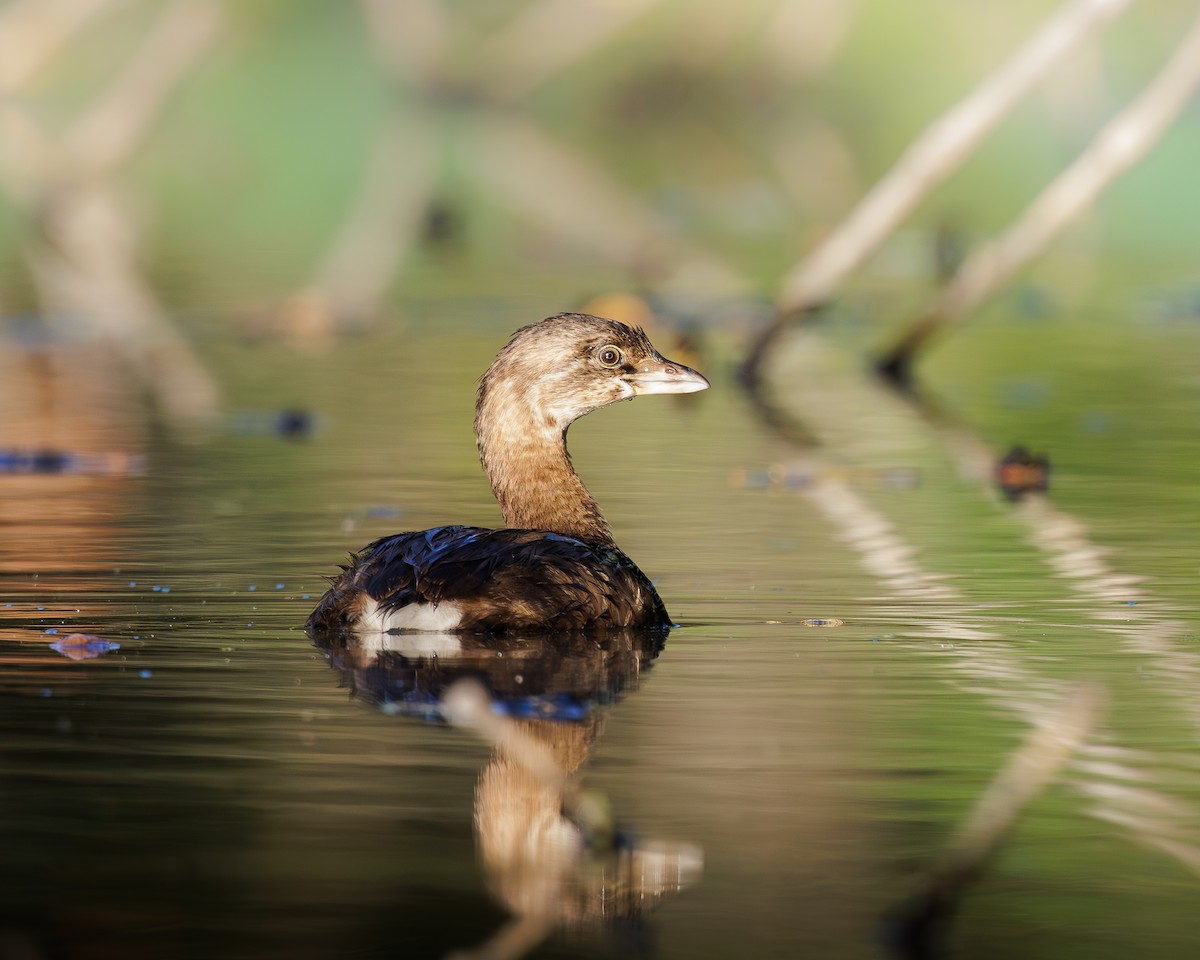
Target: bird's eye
x=609 y=356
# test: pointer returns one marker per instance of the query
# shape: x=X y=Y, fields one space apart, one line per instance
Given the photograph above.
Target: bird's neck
x=525 y=457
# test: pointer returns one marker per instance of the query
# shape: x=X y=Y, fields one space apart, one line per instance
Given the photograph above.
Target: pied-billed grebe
x=555 y=566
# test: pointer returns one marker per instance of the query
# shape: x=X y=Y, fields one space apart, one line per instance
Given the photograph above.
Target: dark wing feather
x=501 y=579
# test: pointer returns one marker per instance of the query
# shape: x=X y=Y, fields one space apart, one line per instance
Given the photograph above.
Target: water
x=866 y=635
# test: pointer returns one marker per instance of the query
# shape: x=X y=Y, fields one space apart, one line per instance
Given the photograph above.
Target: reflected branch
x=883 y=422
x=919 y=927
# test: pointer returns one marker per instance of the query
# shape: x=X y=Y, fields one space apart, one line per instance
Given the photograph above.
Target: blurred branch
x=1121 y=144
x=394 y=193
x=544 y=180
x=26 y=157
x=383 y=225
x=937 y=152
x=407 y=37
x=32 y=31
x=550 y=36
x=116 y=123
x=82 y=249
x=85 y=270
x=576 y=200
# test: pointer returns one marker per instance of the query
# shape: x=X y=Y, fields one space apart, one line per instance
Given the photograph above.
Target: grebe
x=554 y=566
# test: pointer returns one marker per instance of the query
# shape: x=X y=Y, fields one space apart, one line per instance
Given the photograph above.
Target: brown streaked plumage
x=555 y=565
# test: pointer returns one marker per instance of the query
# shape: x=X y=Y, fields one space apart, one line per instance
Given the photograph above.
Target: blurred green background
x=742 y=132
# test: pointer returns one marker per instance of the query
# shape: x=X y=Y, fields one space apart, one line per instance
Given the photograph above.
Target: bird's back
x=478 y=579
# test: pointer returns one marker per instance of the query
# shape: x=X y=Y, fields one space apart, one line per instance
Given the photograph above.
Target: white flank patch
x=421 y=617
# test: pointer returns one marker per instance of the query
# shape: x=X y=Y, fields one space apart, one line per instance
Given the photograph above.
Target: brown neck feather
x=524 y=455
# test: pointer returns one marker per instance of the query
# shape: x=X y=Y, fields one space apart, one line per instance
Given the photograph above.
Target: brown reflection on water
x=64 y=406
x=71 y=443
x=551 y=852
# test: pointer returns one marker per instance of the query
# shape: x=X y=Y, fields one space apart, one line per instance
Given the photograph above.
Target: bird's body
x=555 y=565
x=476 y=579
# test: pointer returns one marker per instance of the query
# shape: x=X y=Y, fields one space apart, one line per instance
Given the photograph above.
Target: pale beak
x=665 y=376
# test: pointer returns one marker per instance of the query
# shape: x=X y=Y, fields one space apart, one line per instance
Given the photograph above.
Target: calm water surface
x=866 y=634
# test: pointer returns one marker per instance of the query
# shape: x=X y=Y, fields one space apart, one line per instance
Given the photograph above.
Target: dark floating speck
x=295 y=424
x=290 y=424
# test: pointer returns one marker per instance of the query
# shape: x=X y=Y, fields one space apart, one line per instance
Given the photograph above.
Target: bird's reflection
x=551 y=851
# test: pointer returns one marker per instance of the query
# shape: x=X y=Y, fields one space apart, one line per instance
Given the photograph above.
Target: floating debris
x=1026 y=392
x=50 y=461
x=1171 y=306
x=383 y=511
x=83 y=646
x=290 y=424
x=1020 y=473
x=780 y=476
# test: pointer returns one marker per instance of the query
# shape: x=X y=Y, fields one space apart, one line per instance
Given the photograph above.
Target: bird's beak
x=657 y=375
